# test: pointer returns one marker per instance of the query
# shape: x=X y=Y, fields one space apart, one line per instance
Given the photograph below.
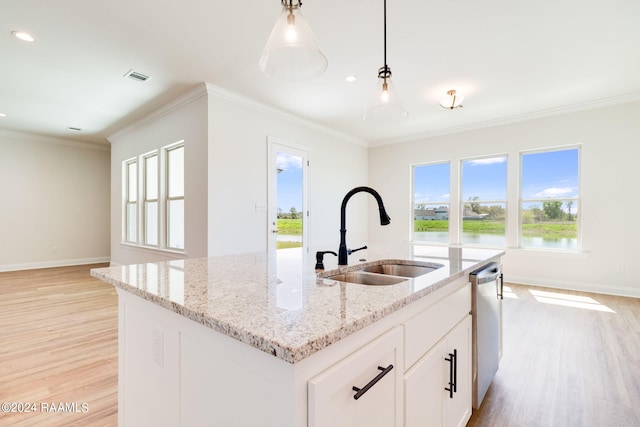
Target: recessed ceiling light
x=24 y=36
x=3 y=115
x=351 y=78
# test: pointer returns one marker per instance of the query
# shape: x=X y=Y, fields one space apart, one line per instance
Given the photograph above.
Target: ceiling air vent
x=137 y=76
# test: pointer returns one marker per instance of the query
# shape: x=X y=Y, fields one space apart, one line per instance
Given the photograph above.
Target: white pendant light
x=292 y=52
x=452 y=101
x=386 y=105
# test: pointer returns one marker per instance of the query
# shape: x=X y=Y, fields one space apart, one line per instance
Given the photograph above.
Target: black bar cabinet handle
x=363 y=390
x=501 y=294
x=451 y=389
x=455 y=370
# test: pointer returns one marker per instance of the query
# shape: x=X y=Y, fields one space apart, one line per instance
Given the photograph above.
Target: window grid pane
x=132 y=229
x=550 y=200
x=175 y=172
x=431 y=203
x=151 y=177
x=132 y=181
x=175 y=224
x=484 y=201
x=151 y=223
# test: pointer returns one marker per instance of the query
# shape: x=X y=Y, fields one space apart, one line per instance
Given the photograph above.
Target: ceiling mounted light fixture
x=452 y=100
x=386 y=105
x=24 y=36
x=292 y=52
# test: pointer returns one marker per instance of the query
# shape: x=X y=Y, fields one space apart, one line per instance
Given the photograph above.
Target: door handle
x=363 y=390
x=453 y=373
x=275 y=231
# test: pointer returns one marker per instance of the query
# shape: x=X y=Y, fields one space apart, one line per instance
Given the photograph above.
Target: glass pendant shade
x=292 y=52
x=386 y=106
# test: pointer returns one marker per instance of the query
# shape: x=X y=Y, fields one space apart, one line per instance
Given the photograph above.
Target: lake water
x=493 y=240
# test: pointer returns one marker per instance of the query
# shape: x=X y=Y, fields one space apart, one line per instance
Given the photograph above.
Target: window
x=151 y=199
x=550 y=199
x=431 y=203
x=159 y=198
x=131 y=201
x=484 y=201
x=175 y=197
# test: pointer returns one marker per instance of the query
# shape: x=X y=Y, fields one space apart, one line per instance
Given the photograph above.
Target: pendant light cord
x=385 y=34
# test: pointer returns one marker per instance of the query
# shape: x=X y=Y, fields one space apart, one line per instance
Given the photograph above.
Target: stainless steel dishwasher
x=486 y=299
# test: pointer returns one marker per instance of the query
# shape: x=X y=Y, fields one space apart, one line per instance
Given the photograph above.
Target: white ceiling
x=510 y=59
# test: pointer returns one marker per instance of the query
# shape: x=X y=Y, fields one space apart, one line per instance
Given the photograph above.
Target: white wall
x=610 y=204
x=183 y=119
x=55 y=202
x=226 y=165
x=238 y=161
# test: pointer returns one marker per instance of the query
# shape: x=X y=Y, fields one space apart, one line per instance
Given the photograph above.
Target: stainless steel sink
x=363 y=278
x=400 y=270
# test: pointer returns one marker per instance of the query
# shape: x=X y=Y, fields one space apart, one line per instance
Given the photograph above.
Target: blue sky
x=289 y=182
x=544 y=174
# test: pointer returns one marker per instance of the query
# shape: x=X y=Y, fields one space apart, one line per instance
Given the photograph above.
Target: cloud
x=554 y=192
x=488 y=161
x=285 y=161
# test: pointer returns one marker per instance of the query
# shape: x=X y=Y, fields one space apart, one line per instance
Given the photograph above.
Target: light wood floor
x=58 y=344
x=565 y=362
x=562 y=366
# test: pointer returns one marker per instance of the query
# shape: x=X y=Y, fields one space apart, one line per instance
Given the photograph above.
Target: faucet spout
x=384 y=219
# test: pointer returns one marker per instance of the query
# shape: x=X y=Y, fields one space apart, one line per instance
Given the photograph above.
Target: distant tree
x=475 y=207
x=553 y=209
x=569 y=206
x=294 y=213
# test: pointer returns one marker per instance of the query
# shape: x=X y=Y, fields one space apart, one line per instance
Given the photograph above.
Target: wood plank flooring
x=570 y=359
x=58 y=344
x=567 y=361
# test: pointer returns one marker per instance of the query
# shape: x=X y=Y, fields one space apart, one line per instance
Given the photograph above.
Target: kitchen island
x=251 y=339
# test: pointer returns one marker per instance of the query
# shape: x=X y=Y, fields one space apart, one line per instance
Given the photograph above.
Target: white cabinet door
x=332 y=401
x=424 y=389
x=428 y=401
x=458 y=409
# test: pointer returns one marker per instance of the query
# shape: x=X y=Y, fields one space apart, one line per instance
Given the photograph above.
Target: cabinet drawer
x=424 y=330
x=331 y=395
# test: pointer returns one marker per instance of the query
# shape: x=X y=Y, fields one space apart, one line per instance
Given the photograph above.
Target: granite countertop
x=279 y=304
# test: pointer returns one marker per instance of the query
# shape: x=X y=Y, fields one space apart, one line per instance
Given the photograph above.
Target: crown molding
x=550 y=112
x=57 y=141
x=197 y=92
x=206 y=88
x=269 y=109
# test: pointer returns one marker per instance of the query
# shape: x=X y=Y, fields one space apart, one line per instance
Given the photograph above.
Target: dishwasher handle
x=490 y=273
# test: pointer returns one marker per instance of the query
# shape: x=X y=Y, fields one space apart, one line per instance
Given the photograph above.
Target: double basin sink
x=384 y=273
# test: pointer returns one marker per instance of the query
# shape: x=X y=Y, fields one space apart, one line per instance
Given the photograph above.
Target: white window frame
x=577 y=199
x=167 y=198
x=141 y=199
x=127 y=200
x=439 y=203
x=462 y=202
x=146 y=199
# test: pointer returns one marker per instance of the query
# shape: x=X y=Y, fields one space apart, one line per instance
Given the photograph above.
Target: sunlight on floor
x=507 y=292
x=567 y=300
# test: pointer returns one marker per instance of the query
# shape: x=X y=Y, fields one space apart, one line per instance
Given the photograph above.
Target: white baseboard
x=575 y=286
x=50 y=264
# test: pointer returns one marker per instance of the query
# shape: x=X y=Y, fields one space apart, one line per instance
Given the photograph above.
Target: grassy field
x=540 y=229
x=290 y=226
